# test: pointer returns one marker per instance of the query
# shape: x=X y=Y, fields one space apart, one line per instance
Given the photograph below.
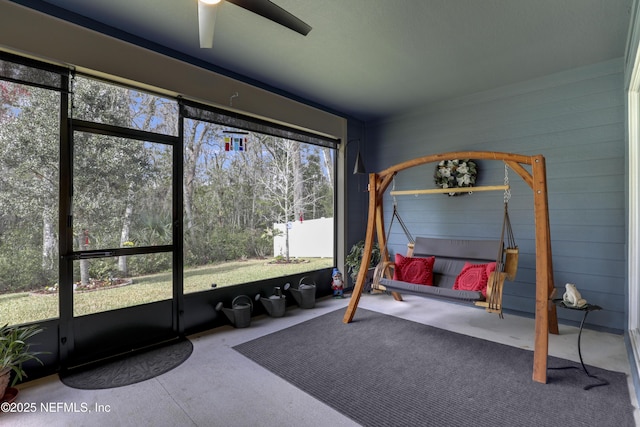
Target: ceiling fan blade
x=206 y=22
x=275 y=13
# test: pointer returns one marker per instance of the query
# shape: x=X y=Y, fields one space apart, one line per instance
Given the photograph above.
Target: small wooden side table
x=586 y=309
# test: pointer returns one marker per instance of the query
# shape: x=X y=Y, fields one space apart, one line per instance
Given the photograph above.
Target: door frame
x=133 y=327
x=633 y=191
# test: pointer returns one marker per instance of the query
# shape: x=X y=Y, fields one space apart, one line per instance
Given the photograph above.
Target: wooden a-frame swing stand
x=546 y=320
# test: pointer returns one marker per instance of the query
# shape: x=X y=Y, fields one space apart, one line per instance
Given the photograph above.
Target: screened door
x=120 y=269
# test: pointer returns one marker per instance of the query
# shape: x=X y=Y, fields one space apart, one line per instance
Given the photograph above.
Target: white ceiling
x=372 y=58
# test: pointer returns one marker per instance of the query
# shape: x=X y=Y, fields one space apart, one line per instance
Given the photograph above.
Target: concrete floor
x=217 y=386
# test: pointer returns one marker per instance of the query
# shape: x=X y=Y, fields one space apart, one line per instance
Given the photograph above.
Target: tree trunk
x=298 y=183
x=49 y=240
x=188 y=203
x=286 y=244
x=192 y=150
x=49 y=220
x=126 y=227
x=328 y=164
x=83 y=240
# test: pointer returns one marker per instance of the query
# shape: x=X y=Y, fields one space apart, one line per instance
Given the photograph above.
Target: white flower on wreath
x=463 y=168
x=455 y=173
x=445 y=172
x=463 y=181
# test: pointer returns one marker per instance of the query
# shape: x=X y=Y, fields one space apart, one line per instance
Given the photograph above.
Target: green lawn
x=24 y=307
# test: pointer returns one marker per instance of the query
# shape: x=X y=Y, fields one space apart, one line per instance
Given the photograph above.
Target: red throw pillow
x=414 y=270
x=474 y=277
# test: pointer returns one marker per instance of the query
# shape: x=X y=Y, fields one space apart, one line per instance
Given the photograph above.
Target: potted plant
x=354 y=259
x=14 y=351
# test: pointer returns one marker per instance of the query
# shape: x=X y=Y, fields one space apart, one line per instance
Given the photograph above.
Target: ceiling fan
x=207 y=10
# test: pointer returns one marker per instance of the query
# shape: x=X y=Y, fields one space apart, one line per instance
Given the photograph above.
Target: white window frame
x=633 y=255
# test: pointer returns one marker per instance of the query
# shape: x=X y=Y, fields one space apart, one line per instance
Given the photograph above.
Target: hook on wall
x=235 y=95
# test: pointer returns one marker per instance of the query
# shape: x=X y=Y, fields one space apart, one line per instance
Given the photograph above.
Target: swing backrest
x=452 y=254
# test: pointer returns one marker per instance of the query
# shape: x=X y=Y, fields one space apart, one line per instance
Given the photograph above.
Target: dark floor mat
x=385 y=371
x=130 y=369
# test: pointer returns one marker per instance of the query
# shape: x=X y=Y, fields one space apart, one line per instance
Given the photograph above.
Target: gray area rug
x=130 y=369
x=380 y=370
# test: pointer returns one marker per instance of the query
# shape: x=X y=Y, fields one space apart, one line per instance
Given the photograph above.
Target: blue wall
x=576 y=120
x=357 y=197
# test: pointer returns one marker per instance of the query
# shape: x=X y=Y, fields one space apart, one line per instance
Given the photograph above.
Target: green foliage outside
x=122 y=189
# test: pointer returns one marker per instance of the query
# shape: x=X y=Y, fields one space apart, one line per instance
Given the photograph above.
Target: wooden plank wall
x=576 y=120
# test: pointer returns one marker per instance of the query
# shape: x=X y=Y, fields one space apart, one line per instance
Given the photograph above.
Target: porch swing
x=455 y=270
x=545 y=311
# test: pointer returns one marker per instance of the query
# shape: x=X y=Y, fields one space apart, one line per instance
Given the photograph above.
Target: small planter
x=14 y=351
x=368 y=281
x=354 y=259
x=5 y=374
x=10 y=395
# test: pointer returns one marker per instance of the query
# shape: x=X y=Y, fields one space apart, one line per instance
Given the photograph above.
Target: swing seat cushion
x=414 y=270
x=451 y=256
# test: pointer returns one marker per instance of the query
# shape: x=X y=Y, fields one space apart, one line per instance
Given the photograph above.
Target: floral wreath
x=456 y=173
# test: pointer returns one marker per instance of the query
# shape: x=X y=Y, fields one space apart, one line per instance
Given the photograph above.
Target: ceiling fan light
x=210 y=1
x=206 y=23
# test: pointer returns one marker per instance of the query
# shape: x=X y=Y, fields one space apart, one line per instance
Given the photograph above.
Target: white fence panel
x=310 y=238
